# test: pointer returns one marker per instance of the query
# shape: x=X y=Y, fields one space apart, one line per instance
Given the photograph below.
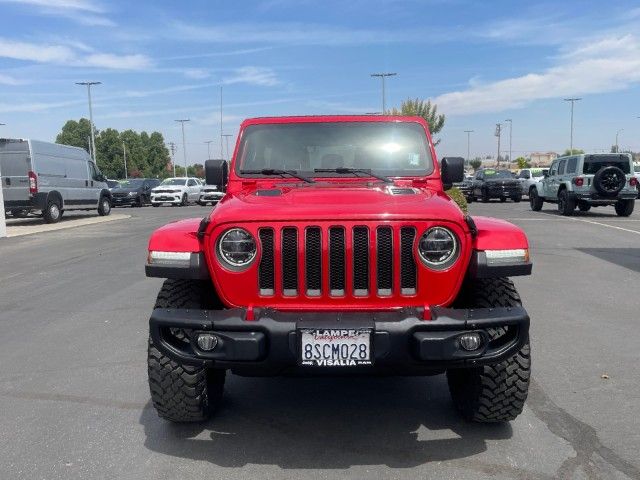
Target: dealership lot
x=75 y=305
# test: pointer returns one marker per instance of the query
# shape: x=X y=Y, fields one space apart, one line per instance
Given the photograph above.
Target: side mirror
x=451 y=171
x=217 y=173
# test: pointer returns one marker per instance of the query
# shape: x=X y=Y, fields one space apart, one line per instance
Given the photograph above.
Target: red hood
x=335 y=202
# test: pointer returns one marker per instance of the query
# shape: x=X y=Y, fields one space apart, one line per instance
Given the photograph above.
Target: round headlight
x=438 y=248
x=236 y=248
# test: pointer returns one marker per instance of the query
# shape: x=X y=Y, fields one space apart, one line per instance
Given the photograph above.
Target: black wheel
x=534 y=200
x=184 y=200
x=139 y=202
x=624 y=208
x=485 y=196
x=179 y=392
x=503 y=199
x=609 y=180
x=155 y=204
x=470 y=199
x=492 y=393
x=52 y=212
x=20 y=212
x=566 y=205
x=584 y=206
x=104 y=207
x=517 y=198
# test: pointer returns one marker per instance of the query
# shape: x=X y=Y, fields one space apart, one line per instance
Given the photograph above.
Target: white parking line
x=601 y=224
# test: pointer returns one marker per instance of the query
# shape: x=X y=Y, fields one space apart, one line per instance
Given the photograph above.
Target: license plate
x=333 y=347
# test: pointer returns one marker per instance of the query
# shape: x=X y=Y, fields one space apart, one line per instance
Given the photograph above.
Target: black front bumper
x=119 y=201
x=504 y=191
x=402 y=343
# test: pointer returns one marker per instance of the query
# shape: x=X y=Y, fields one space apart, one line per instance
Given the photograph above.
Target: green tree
x=76 y=134
x=157 y=156
x=110 y=154
x=575 y=151
x=424 y=109
x=475 y=164
x=523 y=162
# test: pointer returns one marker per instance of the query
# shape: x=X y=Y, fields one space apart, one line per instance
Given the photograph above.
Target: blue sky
x=481 y=62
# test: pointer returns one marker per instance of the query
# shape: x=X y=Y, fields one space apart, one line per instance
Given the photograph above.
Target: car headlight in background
x=438 y=248
x=236 y=248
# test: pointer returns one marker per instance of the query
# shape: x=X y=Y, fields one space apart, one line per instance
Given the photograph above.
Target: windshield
x=173 y=181
x=497 y=174
x=387 y=148
x=593 y=163
x=131 y=184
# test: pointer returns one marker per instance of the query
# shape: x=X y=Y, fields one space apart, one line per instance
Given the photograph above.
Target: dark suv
x=135 y=192
x=492 y=183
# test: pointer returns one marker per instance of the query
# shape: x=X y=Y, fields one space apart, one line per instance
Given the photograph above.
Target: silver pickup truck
x=50 y=179
x=588 y=180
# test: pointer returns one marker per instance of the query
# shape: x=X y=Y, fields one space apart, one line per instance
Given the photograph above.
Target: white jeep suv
x=176 y=191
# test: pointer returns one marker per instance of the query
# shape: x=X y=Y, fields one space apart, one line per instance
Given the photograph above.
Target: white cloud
x=84 y=12
x=9 y=80
x=36 y=107
x=69 y=56
x=261 y=76
x=291 y=33
x=196 y=73
x=605 y=64
x=117 y=62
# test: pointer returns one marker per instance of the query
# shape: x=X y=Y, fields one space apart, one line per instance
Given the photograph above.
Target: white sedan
x=176 y=191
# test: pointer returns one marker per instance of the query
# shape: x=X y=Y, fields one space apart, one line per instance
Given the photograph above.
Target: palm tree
x=424 y=109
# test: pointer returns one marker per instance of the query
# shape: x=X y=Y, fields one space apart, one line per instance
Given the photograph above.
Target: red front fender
x=180 y=236
x=494 y=234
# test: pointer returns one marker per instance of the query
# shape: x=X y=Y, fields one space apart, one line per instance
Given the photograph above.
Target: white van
x=50 y=178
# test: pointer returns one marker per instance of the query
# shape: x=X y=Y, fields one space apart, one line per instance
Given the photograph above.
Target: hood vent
x=402 y=191
x=274 y=192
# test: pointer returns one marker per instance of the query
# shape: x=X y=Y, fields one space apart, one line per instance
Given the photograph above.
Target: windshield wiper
x=275 y=171
x=366 y=171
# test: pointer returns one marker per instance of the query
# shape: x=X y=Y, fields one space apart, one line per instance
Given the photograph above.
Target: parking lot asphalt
x=74 y=400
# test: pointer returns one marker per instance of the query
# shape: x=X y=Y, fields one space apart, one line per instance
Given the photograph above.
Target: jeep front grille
x=337 y=261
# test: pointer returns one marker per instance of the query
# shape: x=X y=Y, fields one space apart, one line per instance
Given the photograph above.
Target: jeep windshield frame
x=386 y=148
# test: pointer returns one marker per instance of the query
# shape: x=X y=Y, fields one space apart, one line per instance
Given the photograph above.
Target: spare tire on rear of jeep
x=609 y=180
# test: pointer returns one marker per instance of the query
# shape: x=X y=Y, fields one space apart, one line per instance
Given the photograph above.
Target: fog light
x=207 y=341
x=470 y=341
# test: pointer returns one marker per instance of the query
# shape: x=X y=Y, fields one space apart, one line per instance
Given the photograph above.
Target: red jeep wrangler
x=336 y=250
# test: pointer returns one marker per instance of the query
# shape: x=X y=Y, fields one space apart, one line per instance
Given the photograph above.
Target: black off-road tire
x=517 y=198
x=624 y=208
x=52 y=212
x=566 y=204
x=584 y=206
x=503 y=199
x=183 y=393
x=534 y=200
x=184 y=201
x=492 y=393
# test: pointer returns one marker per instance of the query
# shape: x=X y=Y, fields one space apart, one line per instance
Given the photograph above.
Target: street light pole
x=617 y=149
x=510 y=129
x=124 y=154
x=172 y=149
x=498 y=134
x=184 y=145
x=93 y=138
x=384 y=97
x=208 y=142
x=226 y=136
x=572 y=100
x=468 y=132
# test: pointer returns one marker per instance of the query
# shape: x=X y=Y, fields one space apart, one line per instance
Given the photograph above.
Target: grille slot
x=265 y=271
x=360 y=261
x=385 y=260
x=313 y=261
x=289 y=261
x=408 y=267
x=336 y=261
